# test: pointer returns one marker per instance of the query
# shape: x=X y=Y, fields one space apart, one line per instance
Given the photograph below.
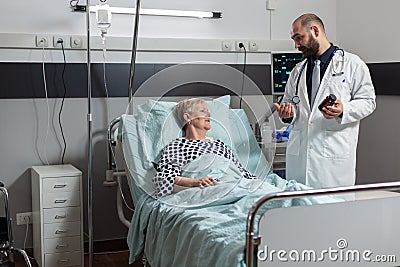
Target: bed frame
x=367 y=223
x=352 y=233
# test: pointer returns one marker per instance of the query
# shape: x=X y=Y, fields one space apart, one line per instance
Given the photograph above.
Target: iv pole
x=89 y=115
x=90 y=134
x=133 y=57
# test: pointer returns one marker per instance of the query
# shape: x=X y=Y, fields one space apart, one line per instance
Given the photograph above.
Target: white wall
x=377 y=158
x=242 y=21
x=45 y=16
x=26 y=140
x=370 y=29
x=288 y=10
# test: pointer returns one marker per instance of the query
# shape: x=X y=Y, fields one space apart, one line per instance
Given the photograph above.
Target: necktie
x=315 y=81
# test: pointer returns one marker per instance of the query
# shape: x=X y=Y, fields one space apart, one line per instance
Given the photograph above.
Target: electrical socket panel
x=226 y=45
x=23 y=218
x=76 y=41
x=253 y=46
x=237 y=44
x=64 y=39
x=42 y=40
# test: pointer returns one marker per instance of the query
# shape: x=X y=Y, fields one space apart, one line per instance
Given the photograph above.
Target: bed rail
x=113 y=176
x=252 y=240
x=111 y=165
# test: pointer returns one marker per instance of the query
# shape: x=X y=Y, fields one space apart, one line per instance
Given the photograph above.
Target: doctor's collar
x=327 y=55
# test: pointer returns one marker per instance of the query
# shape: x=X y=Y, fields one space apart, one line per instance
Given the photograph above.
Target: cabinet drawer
x=57 y=215
x=63 y=259
x=61 y=184
x=61 y=199
x=56 y=230
x=65 y=244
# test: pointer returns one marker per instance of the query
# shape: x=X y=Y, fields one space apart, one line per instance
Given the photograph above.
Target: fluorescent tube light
x=164 y=12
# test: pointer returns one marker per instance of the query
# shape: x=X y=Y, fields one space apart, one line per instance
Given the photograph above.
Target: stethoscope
x=296 y=98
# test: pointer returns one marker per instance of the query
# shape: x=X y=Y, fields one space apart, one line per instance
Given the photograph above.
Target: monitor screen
x=282 y=64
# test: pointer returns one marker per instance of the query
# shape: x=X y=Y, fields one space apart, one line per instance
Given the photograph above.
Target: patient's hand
x=204 y=182
x=194 y=182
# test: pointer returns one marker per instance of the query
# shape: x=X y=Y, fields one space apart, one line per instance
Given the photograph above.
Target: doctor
x=321 y=151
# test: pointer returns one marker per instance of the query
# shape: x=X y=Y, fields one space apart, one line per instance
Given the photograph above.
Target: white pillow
x=145 y=135
x=158 y=126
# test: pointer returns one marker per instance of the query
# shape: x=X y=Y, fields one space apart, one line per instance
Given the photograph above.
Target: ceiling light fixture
x=164 y=12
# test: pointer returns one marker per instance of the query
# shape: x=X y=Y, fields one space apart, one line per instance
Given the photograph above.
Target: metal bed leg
x=144 y=261
x=23 y=254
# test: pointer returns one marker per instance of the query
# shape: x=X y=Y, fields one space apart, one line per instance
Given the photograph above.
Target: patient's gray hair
x=185 y=106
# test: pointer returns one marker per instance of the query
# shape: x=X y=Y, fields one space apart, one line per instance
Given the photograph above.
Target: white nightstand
x=57 y=215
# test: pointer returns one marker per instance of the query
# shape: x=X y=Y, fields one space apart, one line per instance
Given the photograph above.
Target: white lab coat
x=321 y=153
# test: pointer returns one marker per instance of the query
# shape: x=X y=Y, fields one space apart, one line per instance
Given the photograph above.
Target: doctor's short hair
x=308 y=19
x=185 y=106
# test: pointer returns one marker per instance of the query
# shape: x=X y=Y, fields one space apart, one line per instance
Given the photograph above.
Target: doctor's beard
x=311 y=49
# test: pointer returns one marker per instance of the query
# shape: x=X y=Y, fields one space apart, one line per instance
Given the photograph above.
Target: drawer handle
x=60 y=217
x=63 y=261
x=61 y=246
x=60 y=185
x=59 y=201
x=60 y=232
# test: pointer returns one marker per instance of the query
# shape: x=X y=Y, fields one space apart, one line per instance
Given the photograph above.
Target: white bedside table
x=57 y=215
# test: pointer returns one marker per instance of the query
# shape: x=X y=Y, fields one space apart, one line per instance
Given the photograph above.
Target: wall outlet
x=23 y=218
x=42 y=41
x=238 y=46
x=226 y=46
x=57 y=38
x=253 y=46
x=76 y=42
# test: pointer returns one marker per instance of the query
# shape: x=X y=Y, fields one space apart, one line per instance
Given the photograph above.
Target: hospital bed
x=240 y=222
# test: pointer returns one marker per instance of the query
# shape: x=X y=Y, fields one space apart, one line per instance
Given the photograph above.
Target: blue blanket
x=204 y=227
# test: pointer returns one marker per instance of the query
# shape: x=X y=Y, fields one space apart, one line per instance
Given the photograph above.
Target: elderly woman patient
x=194 y=117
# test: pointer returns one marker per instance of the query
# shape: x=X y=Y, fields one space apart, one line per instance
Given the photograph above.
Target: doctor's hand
x=334 y=111
x=285 y=110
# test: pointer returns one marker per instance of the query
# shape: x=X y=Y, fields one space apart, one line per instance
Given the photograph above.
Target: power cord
x=103 y=24
x=48 y=107
x=26 y=220
x=241 y=45
x=106 y=91
x=278 y=100
x=123 y=198
x=60 y=41
x=108 y=118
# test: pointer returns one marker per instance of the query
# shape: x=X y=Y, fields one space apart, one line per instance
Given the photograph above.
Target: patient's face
x=200 y=117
